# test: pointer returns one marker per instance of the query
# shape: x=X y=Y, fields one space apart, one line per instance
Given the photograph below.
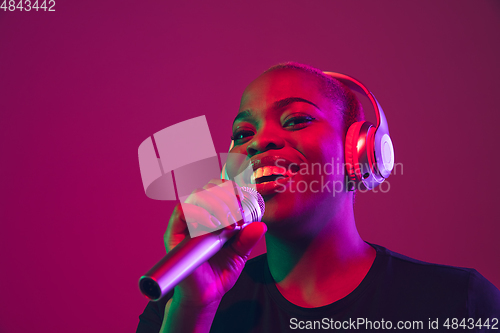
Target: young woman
x=318 y=273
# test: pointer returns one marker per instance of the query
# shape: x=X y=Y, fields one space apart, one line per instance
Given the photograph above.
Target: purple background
x=83 y=86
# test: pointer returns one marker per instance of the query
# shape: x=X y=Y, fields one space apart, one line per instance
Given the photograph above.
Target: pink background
x=82 y=87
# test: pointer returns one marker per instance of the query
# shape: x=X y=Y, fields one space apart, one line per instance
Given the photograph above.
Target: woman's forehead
x=281 y=84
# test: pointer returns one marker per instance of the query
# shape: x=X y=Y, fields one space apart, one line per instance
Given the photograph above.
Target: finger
x=177 y=224
x=230 y=185
x=226 y=192
x=211 y=203
x=246 y=240
x=184 y=215
x=177 y=221
x=196 y=215
x=176 y=229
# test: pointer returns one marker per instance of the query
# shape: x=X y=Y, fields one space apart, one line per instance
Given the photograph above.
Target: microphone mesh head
x=258 y=197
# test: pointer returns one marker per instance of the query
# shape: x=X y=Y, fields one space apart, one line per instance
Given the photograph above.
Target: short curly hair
x=343 y=98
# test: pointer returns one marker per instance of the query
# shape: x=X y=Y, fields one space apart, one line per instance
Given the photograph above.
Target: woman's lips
x=260 y=173
x=271 y=179
x=274 y=186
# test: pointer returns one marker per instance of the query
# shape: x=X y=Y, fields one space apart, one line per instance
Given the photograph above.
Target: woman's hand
x=209 y=208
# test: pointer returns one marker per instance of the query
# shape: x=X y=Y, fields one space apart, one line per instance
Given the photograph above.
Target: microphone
x=183 y=259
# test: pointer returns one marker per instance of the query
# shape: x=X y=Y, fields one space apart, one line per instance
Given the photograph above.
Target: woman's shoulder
x=401 y=264
x=425 y=279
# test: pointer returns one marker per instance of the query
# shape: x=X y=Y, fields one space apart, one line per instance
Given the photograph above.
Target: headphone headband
x=359 y=87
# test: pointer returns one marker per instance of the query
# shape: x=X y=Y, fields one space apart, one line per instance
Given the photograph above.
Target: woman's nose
x=265 y=140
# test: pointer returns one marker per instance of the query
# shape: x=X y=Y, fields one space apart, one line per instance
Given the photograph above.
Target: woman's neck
x=323 y=266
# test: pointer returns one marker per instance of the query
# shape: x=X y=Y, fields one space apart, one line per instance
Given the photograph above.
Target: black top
x=397 y=292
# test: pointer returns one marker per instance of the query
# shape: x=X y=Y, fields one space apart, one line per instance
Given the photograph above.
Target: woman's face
x=293 y=137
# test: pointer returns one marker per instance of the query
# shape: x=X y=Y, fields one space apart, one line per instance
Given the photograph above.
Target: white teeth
x=259 y=173
x=252 y=178
x=269 y=171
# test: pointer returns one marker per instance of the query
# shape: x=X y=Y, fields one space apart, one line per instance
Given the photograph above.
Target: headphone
x=368 y=151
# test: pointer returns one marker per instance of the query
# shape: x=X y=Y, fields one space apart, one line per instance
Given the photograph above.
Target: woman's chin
x=282 y=208
x=293 y=209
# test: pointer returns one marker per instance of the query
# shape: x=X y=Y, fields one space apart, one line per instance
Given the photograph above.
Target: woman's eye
x=241 y=136
x=298 y=122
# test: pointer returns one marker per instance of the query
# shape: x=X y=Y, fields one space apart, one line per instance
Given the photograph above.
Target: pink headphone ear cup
x=351 y=153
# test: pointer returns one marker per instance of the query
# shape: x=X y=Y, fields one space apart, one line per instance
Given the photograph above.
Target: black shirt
x=397 y=293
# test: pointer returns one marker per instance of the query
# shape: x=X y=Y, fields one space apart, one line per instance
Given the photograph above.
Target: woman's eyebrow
x=286 y=101
x=244 y=115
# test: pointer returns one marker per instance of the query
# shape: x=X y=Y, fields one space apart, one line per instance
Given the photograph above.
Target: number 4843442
x=27 y=6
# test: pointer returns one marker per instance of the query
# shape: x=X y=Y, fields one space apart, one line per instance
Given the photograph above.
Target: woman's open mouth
x=267 y=174
x=269 y=179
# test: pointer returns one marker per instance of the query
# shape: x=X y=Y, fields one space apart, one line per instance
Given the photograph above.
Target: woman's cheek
x=235 y=162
